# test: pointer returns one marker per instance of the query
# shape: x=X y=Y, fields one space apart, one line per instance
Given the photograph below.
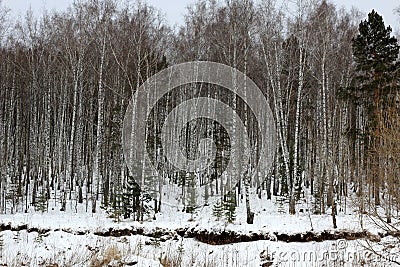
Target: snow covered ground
x=267 y=218
x=31 y=249
x=70 y=239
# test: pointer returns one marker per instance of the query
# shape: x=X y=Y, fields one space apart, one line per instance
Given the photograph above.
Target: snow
x=71 y=250
x=71 y=239
x=267 y=219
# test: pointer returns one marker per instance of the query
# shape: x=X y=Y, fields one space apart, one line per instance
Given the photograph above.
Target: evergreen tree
x=282 y=202
x=375 y=53
x=191 y=188
x=229 y=205
x=181 y=250
x=1 y=245
x=131 y=197
x=218 y=209
x=41 y=201
x=12 y=196
x=117 y=205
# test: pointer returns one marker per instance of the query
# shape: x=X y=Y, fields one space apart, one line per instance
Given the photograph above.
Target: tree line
x=66 y=79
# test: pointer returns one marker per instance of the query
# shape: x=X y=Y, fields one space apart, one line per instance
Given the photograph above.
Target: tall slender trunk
x=294 y=175
x=97 y=168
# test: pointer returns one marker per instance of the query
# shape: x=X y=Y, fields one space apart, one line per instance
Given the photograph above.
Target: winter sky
x=174 y=9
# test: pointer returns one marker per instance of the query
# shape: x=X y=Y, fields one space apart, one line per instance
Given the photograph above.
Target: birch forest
x=330 y=76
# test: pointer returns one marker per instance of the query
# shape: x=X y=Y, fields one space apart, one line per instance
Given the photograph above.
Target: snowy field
x=57 y=247
x=71 y=238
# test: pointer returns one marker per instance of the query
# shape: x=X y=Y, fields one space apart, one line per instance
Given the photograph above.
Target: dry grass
x=103 y=259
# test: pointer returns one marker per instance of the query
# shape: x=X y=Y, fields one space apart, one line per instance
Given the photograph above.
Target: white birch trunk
x=97 y=172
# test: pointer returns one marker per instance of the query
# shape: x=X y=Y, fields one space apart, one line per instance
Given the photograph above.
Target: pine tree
x=12 y=196
x=218 y=210
x=229 y=205
x=375 y=53
x=38 y=238
x=282 y=202
x=41 y=201
x=191 y=188
x=131 y=197
x=1 y=245
x=116 y=210
x=180 y=250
